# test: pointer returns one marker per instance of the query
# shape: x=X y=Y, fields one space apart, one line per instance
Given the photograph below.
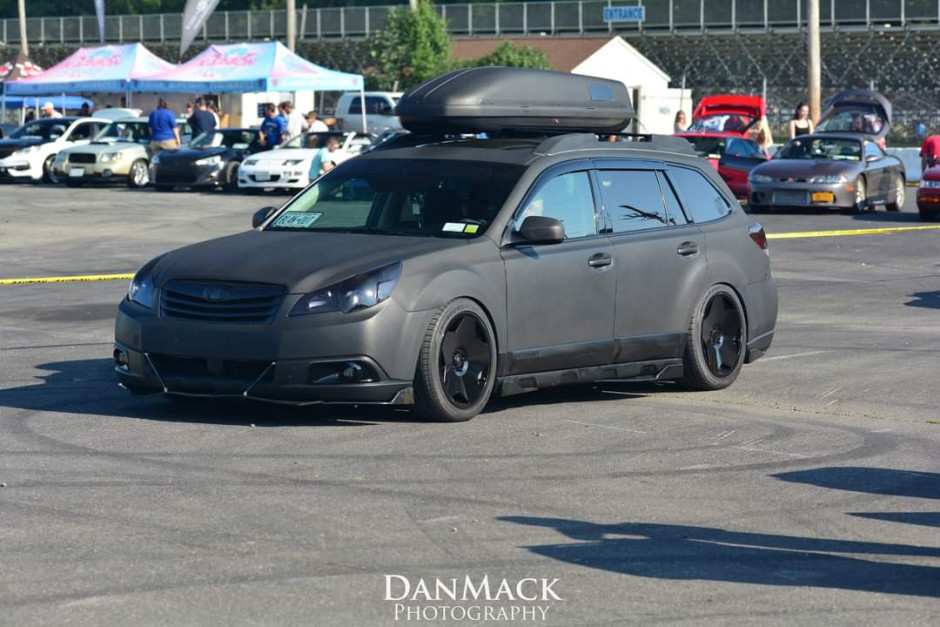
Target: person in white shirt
x=296 y=123
x=48 y=111
x=316 y=125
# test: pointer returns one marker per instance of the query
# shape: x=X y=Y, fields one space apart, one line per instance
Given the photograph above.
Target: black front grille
x=82 y=157
x=229 y=303
x=179 y=177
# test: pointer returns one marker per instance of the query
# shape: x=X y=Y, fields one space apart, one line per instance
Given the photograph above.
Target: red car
x=928 y=194
x=719 y=131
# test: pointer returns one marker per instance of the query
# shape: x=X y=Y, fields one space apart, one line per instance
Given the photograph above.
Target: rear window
x=700 y=198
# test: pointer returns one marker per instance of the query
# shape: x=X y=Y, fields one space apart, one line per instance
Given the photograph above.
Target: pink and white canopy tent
x=250 y=67
x=97 y=69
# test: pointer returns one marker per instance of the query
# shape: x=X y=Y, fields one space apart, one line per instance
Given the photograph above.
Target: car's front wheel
x=715 y=347
x=900 y=186
x=861 y=196
x=48 y=173
x=139 y=174
x=230 y=177
x=456 y=371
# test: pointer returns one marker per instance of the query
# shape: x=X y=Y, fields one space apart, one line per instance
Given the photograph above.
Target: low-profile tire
x=861 y=196
x=900 y=187
x=717 y=341
x=456 y=371
x=230 y=176
x=48 y=173
x=138 y=175
x=929 y=215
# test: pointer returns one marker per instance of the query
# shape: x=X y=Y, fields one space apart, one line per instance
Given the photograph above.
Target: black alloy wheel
x=721 y=336
x=464 y=360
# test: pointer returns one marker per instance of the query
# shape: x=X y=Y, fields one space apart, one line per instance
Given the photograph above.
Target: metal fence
x=503 y=18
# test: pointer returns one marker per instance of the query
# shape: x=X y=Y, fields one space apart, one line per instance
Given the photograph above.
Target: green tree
x=413 y=47
x=508 y=55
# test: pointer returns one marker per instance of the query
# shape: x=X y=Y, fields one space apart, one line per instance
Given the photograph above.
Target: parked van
x=380 y=111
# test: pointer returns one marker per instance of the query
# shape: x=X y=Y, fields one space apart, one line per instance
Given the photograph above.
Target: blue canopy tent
x=253 y=67
x=34 y=102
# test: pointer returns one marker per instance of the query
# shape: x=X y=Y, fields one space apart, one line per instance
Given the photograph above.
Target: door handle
x=687 y=249
x=600 y=260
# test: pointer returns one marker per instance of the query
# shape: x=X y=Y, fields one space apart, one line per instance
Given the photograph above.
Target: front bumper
x=103 y=172
x=187 y=175
x=15 y=168
x=796 y=194
x=258 y=177
x=291 y=360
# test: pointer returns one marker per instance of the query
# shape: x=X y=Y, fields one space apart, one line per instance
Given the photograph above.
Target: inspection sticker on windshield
x=297 y=219
x=454 y=227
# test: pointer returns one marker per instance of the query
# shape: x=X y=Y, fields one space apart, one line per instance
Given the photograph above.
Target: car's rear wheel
x=48 y=173
x=716 y=344
x=139 y=174
x=930 y=215
x=861 y=196
x=456 y=370
x=900 y=187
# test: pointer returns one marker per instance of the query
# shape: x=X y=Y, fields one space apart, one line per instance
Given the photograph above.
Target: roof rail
x=584 y=141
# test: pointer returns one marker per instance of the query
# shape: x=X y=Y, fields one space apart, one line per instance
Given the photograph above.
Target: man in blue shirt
x=201 y=121
x=273 y=128
x=164 y=131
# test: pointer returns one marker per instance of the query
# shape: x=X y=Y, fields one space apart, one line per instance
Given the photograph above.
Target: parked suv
x=440 y=271
x=380 y=111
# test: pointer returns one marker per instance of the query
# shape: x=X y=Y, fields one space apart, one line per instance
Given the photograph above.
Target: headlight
x=929 y=184
x=27 y=150
x=830 y=178
x=358 y=292
x=155 y=159
x=293 y=162
x=141 y=290
x=216 y=160
x=111 y=157
x=761 y=178
x=250 y=162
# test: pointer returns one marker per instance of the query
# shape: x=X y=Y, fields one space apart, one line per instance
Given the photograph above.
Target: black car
x=440 y=271
x=211 y=160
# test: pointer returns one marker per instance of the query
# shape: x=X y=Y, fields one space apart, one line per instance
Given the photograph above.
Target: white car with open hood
x=289 y=165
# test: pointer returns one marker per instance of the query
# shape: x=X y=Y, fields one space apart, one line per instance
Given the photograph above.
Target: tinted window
x=700 y=198
x=673 y=209
x=375 y=105
x=633 y=199
x=741 y=148
x=567 y=197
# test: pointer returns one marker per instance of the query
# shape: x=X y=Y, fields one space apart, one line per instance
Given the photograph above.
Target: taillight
x=756 y=231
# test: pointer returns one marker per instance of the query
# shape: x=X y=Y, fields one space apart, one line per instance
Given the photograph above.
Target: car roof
x=841 y=135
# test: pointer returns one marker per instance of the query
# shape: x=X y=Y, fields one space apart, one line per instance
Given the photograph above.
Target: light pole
x=291 y=25
x=24 y=45
x=814 y=63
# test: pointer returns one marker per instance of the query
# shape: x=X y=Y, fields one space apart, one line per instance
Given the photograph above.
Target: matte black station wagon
x=444 y=268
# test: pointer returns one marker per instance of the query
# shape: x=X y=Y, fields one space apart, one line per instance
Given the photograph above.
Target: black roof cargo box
x=503 y=100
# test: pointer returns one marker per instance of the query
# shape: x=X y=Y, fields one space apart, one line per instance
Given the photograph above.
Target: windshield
x=853 y=121
x=314 y=140
x=822 y=149
x=399 y=197
x=136 y=132
x=236 y=140
x=46 y=129
x=722 y=123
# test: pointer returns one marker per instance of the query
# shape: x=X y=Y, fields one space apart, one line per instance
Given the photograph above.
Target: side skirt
x=656 y=370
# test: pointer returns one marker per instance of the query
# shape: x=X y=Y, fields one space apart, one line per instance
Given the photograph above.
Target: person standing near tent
x=315 y=124
x=202 y=120
x=48 y=111
x=273 y=128
x=164 y=131
x=296 y=122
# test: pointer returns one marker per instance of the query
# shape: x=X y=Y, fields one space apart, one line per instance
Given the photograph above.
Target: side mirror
x=261 y=215
x=542 y=230
x=872 y=158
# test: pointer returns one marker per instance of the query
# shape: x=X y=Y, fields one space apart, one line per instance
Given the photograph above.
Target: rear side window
x=375 y=105
x=700 y=198
x=633 y=199
x=673 y=208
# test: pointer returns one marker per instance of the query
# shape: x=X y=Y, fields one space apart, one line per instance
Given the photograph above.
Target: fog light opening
x=120 y=358
x=352 y=372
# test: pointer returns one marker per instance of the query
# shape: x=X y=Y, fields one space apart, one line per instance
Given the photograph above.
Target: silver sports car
x=841 y=165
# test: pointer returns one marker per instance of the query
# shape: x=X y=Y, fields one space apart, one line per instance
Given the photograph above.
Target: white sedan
x=30 y=151
x=288 y=166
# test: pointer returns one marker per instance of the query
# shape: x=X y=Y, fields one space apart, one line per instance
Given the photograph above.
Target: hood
x=751 y=106
x=869 y=109
x=191 y=154
x=105 y=146
x=283 y=154
x=16 y=144
x=804 y=168
x=301 y=261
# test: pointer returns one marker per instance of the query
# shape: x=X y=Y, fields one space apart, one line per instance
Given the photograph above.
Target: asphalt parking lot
x=807 y=493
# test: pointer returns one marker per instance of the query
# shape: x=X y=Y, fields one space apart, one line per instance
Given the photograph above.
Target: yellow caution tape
x=87 y=278
x=891 y=229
